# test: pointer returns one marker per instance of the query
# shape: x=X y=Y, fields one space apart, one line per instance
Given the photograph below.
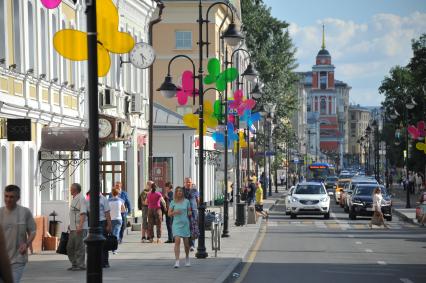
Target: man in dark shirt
x=251 y=191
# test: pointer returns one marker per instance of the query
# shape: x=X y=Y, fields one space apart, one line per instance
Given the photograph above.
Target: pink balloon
x=51 y=4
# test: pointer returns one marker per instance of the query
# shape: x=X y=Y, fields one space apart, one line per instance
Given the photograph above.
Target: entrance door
x=111 y=172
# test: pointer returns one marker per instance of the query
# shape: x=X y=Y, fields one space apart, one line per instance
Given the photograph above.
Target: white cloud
x=361 y=50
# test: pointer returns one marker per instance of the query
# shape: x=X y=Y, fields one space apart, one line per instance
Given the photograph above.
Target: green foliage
x=272 y=50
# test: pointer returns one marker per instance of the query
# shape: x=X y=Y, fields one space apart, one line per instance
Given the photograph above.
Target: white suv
x=310 y=198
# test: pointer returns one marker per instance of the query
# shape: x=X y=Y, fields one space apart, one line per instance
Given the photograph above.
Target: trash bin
x=54 y=225
x=241 y=214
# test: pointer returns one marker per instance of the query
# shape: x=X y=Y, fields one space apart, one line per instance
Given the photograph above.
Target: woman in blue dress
x=180 y=210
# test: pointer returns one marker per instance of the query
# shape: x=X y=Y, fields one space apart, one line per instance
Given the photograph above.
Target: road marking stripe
x=368 y=250
x=272 y=223
x=252 y=255
x=333 y=225
x=405 y=280
x=359 y=226
x=351 y=236
x=381 y=262
x=358 y=243
x=320 y=224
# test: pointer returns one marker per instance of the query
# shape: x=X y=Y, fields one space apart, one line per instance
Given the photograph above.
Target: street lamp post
x=232 y=37
x=270 y=108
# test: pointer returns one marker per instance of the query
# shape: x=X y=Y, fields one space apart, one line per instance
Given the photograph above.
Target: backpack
x=142 y=200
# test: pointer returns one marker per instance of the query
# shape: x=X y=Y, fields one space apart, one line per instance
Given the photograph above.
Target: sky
x=365 y=38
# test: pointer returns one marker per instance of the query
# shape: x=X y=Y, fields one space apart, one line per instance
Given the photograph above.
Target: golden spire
x=323 y=38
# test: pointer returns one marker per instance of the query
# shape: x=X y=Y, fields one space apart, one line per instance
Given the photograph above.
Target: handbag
x=111 y=243
x=62 y=247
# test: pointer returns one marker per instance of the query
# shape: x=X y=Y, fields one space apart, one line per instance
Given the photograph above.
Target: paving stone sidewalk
x=150 y=262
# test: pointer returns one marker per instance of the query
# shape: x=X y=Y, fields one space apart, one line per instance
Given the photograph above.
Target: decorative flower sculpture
x=243 y=142
x=191 y=120
x=417 y=133
x=72 y=44
x=51 y=4
x=218 y=77
x=187 y=88
x=251 y=118
x=218 y=110
x=219 y=136
x=240 y=104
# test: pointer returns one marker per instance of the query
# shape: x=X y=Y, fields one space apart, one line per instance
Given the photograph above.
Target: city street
x=311 y=249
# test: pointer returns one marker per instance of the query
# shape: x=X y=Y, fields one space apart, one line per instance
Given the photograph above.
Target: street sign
x=296 y=160
x=268 y=153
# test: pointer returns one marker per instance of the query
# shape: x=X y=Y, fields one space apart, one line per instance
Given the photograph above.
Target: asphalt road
x=311 y=249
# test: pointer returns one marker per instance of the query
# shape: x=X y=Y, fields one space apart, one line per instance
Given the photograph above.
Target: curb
x=404 y=217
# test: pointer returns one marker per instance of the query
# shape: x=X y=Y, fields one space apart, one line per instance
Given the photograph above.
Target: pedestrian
x=76 y=249
x=251 y=190
x=259 y=202
x=422 y=204
x=377 y=218
x=191 y=194
x=128 y=208
x=411 y=182
x=154 y=200
x=282 y=179
x=5 y=270
x=418 y=182
x=168 y=197
x=19 y=230
x=116 y=206
x=104 y=223
x=180 y=210
x=143 y=205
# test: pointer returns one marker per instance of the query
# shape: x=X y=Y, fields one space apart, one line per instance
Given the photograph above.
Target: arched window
x=2 y=31
x=31 y=34
x=43 y=43
x=323 y=80
x=323 y=106
x=17 y=36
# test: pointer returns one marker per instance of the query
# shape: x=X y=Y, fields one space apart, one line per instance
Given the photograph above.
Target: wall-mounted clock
x=105 y=128
x=142 y=55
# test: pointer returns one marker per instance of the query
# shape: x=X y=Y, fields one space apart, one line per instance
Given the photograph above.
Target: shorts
x=258 y=207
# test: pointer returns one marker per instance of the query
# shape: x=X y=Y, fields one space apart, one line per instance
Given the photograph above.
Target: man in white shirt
x=19 y=230
x=76 y=249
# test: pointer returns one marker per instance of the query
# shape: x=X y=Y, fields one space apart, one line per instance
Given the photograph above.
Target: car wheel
x=293 y=216
x=327 y=215
x=389 y=218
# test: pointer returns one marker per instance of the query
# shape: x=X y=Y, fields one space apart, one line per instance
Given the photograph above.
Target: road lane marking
x=320 y=224
x=358 y=243
x=406 y=280
x=381 y=262
x=351 y=236
x=252 y=255
x=368 y=250
x=272 y=223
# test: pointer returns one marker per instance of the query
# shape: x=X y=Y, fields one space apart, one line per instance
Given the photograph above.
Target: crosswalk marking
x=336 y=224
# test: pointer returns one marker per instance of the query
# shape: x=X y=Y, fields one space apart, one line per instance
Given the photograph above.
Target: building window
x=2 y=31
x=183 y=40
x=323 y=106
x=323 y=80
x=16 y=36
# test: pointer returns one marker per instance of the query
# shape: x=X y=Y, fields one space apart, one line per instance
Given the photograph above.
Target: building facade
x=359 y=119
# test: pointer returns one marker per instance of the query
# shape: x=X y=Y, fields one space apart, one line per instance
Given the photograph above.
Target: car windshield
x=309 y=190
x=368 y=191
x=331 y=179
x=342 y=184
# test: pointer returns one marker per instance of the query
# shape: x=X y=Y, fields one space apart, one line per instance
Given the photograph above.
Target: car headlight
x=293 y=199
x=356 y=201
x=324 y=199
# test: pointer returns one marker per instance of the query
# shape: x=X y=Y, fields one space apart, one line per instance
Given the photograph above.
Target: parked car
x=287 y=200
x=310 y=198
x=331 y=184
x=361 y=202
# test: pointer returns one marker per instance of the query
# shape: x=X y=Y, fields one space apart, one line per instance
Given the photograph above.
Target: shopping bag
x=111 y=243
x=62 y=247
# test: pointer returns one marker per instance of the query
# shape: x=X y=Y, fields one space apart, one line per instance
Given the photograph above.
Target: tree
x=272 y=50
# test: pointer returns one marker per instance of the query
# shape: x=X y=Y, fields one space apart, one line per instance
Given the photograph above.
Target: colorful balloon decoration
x=240 y=104
x=243 y=142
x=219 y=136
x=51 y=4
x=251 y=118
x=218 y=77
x=191 y=120
x=187 y=88
x=72 y=44
x=417 y=133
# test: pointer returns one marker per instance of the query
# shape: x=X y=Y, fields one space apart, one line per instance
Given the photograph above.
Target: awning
x=64 y=139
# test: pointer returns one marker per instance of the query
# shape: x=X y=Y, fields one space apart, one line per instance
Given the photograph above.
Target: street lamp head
x=411 y=105
x=256 y=93
x=232 y=35
x=168 y=89
x=250 y=73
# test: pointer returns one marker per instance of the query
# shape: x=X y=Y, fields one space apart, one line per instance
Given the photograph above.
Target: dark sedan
x=331 y=184
x=362 y=202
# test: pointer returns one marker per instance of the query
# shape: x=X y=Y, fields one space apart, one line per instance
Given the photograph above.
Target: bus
x=319 y=171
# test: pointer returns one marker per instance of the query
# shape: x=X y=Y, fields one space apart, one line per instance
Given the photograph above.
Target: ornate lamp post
x=232 y=37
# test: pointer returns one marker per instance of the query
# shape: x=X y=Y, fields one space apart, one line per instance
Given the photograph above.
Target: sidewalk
x=137 y=262
x=399 y=200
